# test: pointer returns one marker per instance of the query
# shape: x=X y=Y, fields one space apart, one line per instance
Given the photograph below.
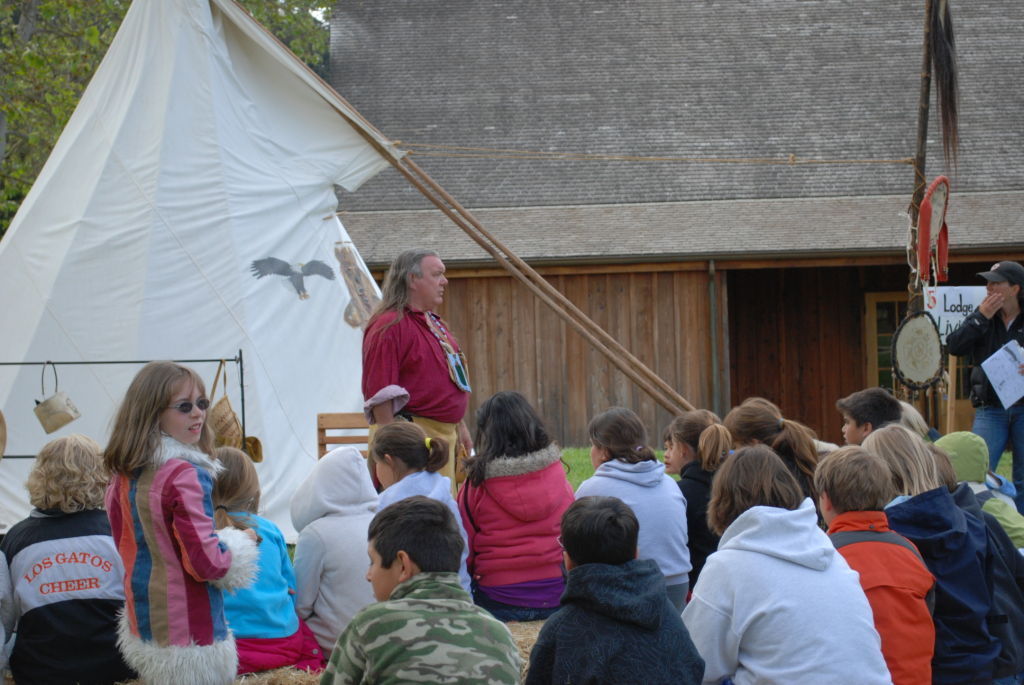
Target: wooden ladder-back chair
x=345 y=429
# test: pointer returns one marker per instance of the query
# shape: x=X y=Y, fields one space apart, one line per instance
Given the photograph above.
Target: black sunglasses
x=186 y=406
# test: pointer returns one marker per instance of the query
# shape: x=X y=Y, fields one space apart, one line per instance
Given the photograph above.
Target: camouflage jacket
x=428 y=631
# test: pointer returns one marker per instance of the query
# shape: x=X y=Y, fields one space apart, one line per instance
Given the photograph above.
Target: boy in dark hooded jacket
x=616 y=623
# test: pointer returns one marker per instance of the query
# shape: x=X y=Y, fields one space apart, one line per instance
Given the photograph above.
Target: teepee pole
x=652 y=384
x=623 y=359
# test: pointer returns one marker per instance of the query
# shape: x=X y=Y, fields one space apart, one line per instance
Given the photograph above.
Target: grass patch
x=1004 y=468
x=577 y=460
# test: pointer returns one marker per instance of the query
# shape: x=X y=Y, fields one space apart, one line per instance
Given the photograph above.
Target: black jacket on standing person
x=695 y=483
x=979 y=338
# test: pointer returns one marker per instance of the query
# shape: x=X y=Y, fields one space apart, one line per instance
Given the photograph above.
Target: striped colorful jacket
x=175 y=563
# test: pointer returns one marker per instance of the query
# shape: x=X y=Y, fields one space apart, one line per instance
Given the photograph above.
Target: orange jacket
x=896 y=583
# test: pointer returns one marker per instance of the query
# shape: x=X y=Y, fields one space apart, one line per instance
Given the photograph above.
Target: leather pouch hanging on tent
x=57 y=410
x=227 y=429
x=254 y=448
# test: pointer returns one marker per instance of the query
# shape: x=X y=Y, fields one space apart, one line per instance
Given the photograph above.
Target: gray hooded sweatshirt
x=332 y=511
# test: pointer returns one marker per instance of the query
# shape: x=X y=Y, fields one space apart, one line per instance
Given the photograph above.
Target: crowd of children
x=773 y=559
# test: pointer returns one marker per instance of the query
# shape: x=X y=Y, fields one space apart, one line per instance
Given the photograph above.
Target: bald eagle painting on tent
x=187 y=212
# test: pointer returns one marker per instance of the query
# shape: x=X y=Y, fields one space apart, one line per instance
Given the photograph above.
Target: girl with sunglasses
x=161 y=516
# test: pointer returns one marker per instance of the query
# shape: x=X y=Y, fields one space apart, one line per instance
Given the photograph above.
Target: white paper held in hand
x=1003 y=371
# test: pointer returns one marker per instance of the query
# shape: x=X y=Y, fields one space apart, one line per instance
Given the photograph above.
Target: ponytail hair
x=704 y=433
x=758 y=420
x=237 y=489
x=409 y=443
x=713 y=446
x=621 y=432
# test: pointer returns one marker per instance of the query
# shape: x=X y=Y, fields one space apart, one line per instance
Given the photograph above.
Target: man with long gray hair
x=413 y=368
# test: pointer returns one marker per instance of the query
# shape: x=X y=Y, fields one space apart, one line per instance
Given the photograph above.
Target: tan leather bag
x=57 y=410
x=254 y=448
x=227 y=429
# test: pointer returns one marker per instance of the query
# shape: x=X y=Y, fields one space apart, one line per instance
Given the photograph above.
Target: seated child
x=268 y=633
x=407 y=463
x=425 y=627
x=625 y=467
x=777 y=603
x=912 y=420
x=1005 y=576
x=954 y=546
x=511 y=503
x=759 y=421
x=332 y=510
x=854 y=486
x=968 y=453
x=61 y=581
x=867 y=410
x=616 y=624
x=696 y=443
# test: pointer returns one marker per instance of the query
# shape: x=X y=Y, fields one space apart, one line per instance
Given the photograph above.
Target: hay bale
x=525 y=634
x=279 y=676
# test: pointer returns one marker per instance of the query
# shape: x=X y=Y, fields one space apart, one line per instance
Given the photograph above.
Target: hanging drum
x=917 y=352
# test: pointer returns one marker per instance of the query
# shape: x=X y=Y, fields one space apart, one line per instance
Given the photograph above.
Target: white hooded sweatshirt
x=777 y=604
x=332 y=511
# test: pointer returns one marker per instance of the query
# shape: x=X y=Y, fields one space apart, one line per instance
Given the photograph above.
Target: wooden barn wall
x=796 y=338
x=515 y=342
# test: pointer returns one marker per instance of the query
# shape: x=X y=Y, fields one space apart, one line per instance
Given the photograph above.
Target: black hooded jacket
x=616 y=625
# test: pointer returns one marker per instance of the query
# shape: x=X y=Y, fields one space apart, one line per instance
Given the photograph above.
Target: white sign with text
x=949 y=305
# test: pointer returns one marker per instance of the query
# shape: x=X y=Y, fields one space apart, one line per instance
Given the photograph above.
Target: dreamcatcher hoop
x=917 y=351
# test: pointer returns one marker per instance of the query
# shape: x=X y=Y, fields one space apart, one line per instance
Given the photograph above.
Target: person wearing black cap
x=996 y=321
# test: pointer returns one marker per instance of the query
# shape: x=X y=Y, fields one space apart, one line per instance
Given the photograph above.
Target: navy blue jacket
x=616 y=625
x=954 y=546
x=1006 y=618
x=695 y=483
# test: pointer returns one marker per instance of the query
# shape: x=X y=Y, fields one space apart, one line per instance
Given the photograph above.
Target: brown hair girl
x=757 y=420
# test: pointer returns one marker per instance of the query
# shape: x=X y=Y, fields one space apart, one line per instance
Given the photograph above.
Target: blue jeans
x=997 y=426
x=509 y=612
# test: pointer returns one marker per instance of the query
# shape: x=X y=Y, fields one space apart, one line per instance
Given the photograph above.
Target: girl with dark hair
x=777 y=603
x=625 y=467
x=407 y=462
x=696 y=445
x=512 y=504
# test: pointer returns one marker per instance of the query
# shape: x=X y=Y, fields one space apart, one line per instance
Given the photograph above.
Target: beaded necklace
x=456 y=360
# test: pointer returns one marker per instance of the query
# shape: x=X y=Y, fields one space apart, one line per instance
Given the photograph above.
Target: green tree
x=49 y=49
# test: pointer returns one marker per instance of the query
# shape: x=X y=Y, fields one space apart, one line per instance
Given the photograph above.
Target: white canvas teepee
x=201 y=146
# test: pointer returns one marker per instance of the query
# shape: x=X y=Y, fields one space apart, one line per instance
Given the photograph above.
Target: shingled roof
x=765 y=79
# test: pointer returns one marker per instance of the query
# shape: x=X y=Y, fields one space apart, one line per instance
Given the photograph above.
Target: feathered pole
x=946 y=91
x=939 y=57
